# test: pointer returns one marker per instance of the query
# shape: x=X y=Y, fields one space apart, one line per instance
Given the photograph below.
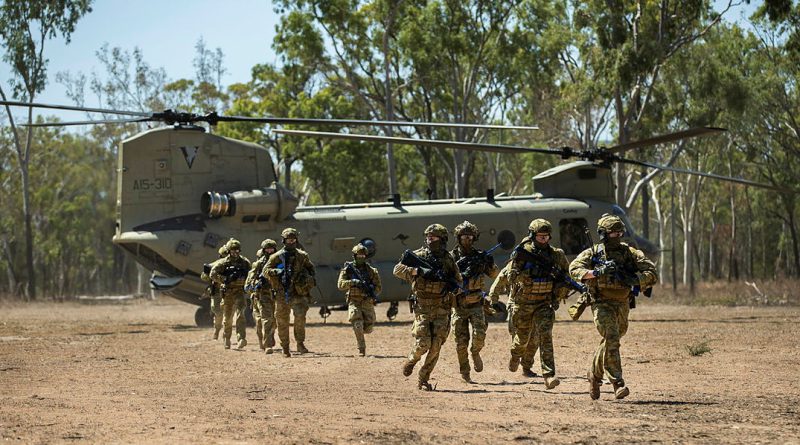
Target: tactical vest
x=428 y=291
x=357 y=293
x=535 y=282
x=610 y=287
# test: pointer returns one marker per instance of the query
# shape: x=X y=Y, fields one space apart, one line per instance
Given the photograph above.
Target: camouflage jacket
x=300 y=281
x=255 y=280
x=533 y=282
x=629 y=260
x=230 y=272
x=501 y=285
x=212 y=290
x=424 y=288
x=354 y=291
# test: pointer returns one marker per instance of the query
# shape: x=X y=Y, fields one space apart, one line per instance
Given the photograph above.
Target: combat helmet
x=233 y=244
x=223 y=251
x=467 y=228
x=437 y=230
x=360 y=249
x=540 y=225
x=290 y=233
x=259 y=253
x=610 y=223
x=269 y=243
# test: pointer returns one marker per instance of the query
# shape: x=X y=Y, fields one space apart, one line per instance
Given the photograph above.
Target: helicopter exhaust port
x=268 y=203
x=216 y=205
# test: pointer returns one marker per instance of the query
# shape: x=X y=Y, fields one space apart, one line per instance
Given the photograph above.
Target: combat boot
x=408 y=368
x=620 y=390
x=477 y=363
x=425 y=386
x=466 y=377
x=227 y=342
x=242 y=343
x=551 y=382
x=594 y=386
x=216 y=333
x=268 y=351
x=513 y=364
x=362 y=351
x=286 y=352
x=301 y=348
x=527 y=372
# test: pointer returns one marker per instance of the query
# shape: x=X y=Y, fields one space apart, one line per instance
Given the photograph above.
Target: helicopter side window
x=248 y=218
x=573 y=235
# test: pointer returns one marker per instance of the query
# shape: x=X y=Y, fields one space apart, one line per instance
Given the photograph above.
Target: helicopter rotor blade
x=664 y=138
x=357 y=122
x=427 y=142
x=13 y=103
x=92 y=122
x=706 y=175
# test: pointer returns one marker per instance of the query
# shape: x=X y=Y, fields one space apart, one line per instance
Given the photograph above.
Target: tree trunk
x=672 y=238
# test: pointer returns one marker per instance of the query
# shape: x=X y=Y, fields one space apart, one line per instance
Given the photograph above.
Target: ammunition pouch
x=423 y=286
x=531 y=286
x=474 y=296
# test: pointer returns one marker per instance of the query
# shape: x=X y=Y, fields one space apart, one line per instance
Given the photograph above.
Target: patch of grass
x=699 y=348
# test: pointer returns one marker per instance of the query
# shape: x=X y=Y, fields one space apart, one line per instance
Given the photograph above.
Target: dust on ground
x=143 y=373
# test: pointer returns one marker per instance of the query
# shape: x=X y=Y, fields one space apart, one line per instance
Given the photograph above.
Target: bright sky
x=166 y=32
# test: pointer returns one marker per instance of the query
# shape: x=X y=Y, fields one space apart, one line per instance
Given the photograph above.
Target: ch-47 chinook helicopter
x=182 y=192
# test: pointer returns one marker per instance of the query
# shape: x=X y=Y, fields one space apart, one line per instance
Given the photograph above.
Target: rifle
x=286 y=276
x=367 y=285
x=233 y=272
x=625 y=274
x=559 y=276
x=260 y=282
x=431 y=270
x=473 y=265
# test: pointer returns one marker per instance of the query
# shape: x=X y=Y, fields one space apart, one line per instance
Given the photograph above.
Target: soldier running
x=362 y=284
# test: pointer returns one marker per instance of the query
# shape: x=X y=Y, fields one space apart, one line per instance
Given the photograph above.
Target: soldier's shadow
x=472 y=390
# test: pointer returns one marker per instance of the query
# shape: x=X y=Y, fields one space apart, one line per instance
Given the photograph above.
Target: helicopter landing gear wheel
x=324 y=312
x=391 y=313
x=203 y=317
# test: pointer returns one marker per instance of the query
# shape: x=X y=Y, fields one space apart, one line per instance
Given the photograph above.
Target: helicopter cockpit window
x=573 y=235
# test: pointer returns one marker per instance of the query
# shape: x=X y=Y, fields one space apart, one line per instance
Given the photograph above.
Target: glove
x=512 y=275
x=355 y=282
x=555 y=304
x=275 y=272
x=609 y=268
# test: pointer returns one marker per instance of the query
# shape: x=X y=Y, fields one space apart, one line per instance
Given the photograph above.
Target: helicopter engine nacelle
x=275 y=202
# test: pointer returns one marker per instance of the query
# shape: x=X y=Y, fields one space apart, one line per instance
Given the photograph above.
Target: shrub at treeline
x=585 y=72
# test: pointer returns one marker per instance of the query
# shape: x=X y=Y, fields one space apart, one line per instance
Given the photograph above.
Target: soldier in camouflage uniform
x=536 y=298
x=362 y=284
x=263 y=297
x=291 y=274
x=212 y=292
x=611 y=270
x=230 y=275
x=502 y=286
x=432 y=302
x=473 y=265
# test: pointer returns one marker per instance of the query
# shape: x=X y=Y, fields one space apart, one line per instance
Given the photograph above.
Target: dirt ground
x=142 y=373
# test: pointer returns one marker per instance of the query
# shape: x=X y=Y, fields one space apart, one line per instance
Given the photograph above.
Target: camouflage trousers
x=462 y=317
x=611 y=321
x=233 y=306
x=533 y=323
x=216 y=310
x=264 y=315
x=430 y=329
x=362 y=316
x=529 y=354
x=298 y=306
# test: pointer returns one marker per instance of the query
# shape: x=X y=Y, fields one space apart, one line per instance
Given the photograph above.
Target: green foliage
x=699 y=348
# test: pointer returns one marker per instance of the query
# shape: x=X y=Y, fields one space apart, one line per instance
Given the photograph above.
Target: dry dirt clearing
x=142 y=373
